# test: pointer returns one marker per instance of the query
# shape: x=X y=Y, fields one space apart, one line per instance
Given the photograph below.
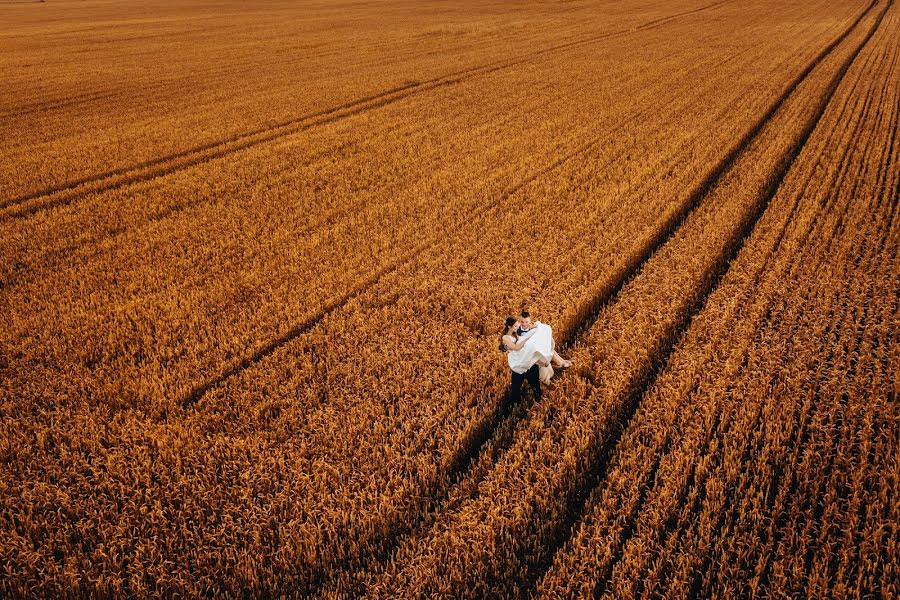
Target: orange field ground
x=255 y=258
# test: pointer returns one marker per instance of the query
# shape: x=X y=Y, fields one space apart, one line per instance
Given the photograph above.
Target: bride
x=526 y=348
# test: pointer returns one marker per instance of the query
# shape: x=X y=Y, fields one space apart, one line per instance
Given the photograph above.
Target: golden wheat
x=252 y=264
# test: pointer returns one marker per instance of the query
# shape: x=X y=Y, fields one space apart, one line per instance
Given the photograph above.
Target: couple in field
x=530 y=351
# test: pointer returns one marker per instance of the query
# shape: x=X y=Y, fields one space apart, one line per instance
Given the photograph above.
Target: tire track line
x=838 y=176
x=663 y=20
x=39 y=106
x=63 y=194
x=592 y=480
x=671 y=225
x=310 y=322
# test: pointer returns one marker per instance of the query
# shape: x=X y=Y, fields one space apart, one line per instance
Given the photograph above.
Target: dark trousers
x=514 y=396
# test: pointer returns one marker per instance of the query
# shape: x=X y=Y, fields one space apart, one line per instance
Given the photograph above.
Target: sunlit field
x=255 y=260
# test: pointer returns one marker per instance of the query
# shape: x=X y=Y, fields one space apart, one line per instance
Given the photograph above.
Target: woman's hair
x=510 y=321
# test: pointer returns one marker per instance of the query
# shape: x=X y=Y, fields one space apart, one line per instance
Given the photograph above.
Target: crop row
x=760 y=460
x=84 y=98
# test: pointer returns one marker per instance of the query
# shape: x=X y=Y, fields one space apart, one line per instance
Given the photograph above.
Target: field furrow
x=471 y=552
x=678 y=537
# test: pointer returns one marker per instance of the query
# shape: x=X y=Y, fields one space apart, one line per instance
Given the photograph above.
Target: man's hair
x=525 y=314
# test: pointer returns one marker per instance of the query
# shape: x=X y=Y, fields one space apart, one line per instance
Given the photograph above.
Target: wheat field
x=255 y=259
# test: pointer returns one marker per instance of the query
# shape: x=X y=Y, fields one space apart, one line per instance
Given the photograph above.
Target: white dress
x=539 y=345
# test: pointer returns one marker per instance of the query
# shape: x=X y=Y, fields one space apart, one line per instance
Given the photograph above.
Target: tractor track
x=497 y=434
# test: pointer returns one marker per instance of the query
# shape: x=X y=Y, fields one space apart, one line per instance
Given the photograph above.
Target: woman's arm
x=512 y=345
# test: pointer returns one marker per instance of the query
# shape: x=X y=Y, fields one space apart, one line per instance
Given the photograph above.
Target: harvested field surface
x=255 y=258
